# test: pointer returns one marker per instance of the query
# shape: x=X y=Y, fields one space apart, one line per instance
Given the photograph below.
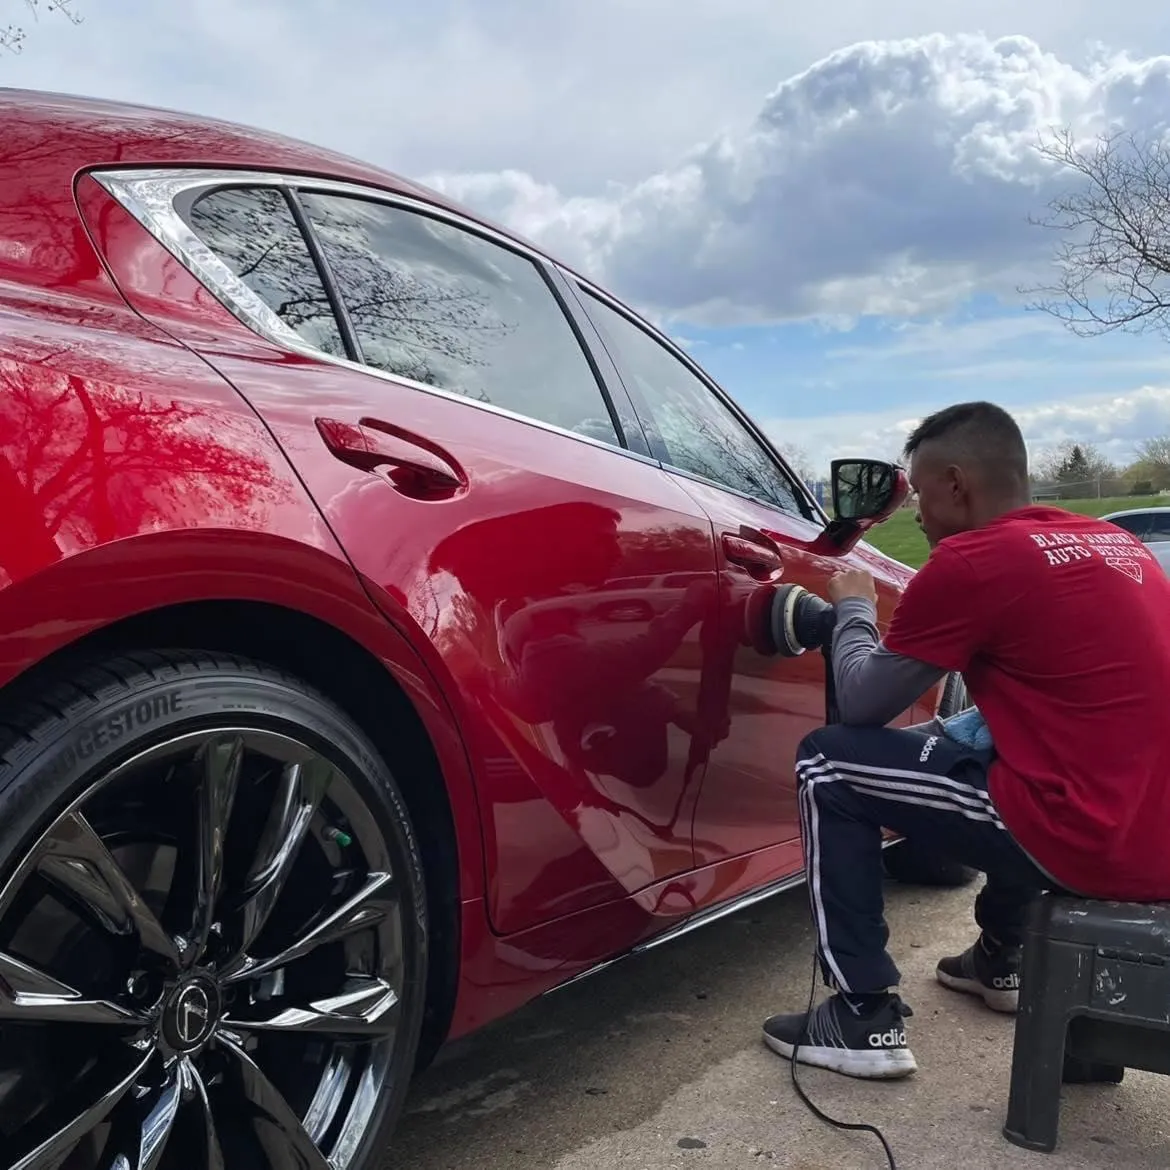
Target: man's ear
x=957 y=483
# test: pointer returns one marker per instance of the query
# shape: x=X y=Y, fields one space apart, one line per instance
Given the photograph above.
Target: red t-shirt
x=1060 y=626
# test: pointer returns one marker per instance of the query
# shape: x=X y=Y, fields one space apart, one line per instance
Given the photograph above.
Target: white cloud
x=889 y=178
x=1114 y=423
x=576 y=94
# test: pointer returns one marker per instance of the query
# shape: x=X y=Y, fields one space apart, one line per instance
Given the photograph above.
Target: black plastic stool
x=1094 y=987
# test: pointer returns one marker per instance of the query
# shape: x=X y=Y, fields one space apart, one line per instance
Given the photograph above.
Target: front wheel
x=212 y=925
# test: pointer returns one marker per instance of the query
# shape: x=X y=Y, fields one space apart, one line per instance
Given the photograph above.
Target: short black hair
x=981 y=432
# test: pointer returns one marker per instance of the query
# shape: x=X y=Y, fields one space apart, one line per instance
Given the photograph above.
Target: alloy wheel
x=201 y=965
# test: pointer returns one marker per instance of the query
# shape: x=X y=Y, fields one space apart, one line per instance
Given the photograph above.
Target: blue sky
x=827 y=204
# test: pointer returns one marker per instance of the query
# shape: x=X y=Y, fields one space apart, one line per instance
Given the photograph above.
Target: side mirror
x=866 y=491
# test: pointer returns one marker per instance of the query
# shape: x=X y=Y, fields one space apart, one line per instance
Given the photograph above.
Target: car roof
x=1158 y=509
x=79 y=133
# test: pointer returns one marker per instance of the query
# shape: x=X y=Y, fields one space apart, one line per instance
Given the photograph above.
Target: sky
x=828 y=205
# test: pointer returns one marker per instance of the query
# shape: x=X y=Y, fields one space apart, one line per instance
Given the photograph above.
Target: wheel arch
x=366 y=669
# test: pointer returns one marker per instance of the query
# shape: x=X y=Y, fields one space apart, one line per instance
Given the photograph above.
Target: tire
x=954 y=697
x=916 y=862
x=285 y=953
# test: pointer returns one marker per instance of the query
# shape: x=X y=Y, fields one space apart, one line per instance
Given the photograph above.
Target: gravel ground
x=658 y=1063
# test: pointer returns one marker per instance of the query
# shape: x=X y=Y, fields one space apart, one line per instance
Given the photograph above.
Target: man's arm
x=874 y=685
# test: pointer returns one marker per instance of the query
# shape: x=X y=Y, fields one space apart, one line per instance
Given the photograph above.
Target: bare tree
x=1155 y=451
x=798 y=458
x=1153 y=462
x=1113 y=253
x=12 y=36
x=413 y=319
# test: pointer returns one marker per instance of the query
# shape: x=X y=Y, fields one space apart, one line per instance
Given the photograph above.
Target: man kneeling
x=1060 y=626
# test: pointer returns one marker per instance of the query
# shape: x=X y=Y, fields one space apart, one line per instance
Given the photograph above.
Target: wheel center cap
x=191 y=1013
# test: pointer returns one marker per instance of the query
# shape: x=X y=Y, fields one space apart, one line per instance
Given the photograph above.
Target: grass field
x=900 y=538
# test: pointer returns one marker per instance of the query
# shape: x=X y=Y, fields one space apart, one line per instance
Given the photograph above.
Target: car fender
x=48 y=611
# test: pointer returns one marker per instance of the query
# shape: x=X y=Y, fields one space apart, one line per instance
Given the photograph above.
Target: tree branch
x=1113 y=260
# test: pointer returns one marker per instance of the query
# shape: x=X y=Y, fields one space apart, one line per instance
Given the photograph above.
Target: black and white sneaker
x=993 y=975
x=837 y=1038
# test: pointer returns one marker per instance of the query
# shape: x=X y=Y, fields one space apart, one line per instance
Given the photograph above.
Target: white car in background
x=1151 y=526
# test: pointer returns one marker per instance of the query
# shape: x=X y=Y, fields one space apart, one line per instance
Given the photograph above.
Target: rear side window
x=1159 y=528
x=433 y=303
x=253 y=231
x=1137 y=523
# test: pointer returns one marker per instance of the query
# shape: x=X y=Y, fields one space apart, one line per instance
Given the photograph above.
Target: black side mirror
x=866 y=491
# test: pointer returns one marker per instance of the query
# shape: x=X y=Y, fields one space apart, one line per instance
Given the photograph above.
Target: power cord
x=820 y=1114
x=831 y=716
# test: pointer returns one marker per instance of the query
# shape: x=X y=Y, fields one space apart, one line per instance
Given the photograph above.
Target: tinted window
x=1159 y=528
x=254 y=233
x=1137 y=523
x=439 y=305
x=700 y=434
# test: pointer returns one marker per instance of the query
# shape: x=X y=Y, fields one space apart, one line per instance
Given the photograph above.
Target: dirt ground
x=658 y=1063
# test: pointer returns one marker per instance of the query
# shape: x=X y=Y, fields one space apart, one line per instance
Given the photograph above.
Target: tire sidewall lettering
x=110 y=729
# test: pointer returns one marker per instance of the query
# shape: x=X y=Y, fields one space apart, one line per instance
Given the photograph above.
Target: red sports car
x=372 y=640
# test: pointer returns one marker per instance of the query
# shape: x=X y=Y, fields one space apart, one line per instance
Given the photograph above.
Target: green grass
x=900 y=538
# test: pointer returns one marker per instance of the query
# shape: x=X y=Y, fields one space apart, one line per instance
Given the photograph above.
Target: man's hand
x=852 y=583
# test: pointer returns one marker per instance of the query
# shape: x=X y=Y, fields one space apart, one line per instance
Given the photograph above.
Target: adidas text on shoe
x=834 y=1037
x=994 y=976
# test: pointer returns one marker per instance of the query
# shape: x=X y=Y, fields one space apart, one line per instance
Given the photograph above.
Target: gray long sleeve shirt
x=873 y=684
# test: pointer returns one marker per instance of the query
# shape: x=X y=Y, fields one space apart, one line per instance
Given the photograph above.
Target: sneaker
x=833 y=1036
x=994 y=976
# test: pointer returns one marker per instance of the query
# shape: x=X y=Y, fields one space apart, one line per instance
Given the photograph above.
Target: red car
x=372 y=640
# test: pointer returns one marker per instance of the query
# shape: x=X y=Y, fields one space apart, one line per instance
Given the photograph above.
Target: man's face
x=942 y=495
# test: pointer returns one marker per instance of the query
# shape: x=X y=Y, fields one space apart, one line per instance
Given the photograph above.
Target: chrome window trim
x=149 y=195
x=713 y=387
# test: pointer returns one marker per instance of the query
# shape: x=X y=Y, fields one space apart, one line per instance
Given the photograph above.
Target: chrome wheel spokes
x=144 y=1125
x=365 y=1007
x=286 y=1141
x=31 y=996
x=301 y=787
x=369 y=906
x=81 y=1118
x=73 y=857
x=219 y=773
x=214 y=963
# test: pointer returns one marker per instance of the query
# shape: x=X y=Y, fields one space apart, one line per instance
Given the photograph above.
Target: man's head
x=968 y=465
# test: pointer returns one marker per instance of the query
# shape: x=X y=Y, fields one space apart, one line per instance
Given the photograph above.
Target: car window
x=253 y=231
x=1137 y=523
x=1159 y=527
x=699 y=432
x=440 y=305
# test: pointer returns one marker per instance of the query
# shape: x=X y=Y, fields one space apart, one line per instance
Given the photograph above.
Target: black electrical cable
x=820 y=1114
x=831 y=716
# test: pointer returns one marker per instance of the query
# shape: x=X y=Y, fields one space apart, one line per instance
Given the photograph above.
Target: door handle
x=759 y=557
x=371 y=445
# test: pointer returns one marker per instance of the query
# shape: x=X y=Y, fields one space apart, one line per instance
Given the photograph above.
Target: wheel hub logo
x=192 y=1014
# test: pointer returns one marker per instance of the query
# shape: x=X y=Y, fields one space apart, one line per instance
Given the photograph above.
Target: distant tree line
x=1074 y=470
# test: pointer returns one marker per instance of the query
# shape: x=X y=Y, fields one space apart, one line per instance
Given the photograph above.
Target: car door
x=491 y=485
x=763 y=521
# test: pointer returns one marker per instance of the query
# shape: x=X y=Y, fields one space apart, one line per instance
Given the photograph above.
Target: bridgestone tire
x=78 y=728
